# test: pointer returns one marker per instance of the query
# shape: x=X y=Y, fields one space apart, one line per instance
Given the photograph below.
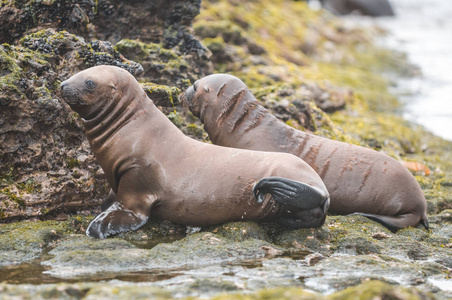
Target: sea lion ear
x=206 y=89
x=112 y=85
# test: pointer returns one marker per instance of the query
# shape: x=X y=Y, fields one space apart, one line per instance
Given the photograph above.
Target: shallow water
x=34 y=272
x=423 y=30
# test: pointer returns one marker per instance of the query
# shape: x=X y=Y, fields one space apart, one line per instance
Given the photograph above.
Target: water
x=423 y=30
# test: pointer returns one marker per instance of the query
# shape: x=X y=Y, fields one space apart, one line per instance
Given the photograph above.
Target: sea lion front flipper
x=109 y=200
x=130 y=210
x=117 y=218
x=394 y=223
x=289 y=192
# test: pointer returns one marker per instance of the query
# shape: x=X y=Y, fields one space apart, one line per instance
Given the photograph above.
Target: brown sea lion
x=359 y=180
x=155 y=170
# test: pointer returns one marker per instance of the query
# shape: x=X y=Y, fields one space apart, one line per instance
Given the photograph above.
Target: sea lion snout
x=88 y=91
x=71 y=95
x=206 y=91
x=188 y=97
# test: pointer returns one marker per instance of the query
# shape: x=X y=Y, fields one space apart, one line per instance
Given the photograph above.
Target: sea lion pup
x=359 y=180
x=155 y=170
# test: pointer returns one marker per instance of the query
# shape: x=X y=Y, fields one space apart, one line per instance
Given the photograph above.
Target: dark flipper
x=289 y=192
x=424 y=221
x=115 y=219
x=394 y=223
x=111 y=198
x=312 y=218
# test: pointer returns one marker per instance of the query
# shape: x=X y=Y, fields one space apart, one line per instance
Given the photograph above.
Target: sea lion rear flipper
x=289 y=192
x=311 y=218
x=394 y=223
x=117 y=218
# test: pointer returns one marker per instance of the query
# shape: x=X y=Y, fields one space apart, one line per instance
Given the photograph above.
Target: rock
x=328 y=99
x=102 y=19
x=21 y=242
x=41 y=139
x=77 y=257
x=44 y=166
x=356 y=244
x=381 y=290
x=241 y=231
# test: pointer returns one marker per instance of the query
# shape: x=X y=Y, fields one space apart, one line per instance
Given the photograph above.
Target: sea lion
x=359 y=180
x=154 y=170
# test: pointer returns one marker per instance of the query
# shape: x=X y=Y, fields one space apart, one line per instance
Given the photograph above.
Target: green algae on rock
x=378 y=289
x=121 y=290
x=285 y=258
x=193 y=251
x=162 y=95
x=51 y=40
x=162 y=66
x=24 y=241
x=60 y=162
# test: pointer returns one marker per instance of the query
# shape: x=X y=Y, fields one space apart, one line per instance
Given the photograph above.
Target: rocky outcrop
x=47 y=169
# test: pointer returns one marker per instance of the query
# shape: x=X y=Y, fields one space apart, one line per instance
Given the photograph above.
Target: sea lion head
x=89 y=91
x=209 y=95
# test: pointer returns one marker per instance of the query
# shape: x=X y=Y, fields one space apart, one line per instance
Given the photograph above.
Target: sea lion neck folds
x=359 y=180
x=154 y=170
x=227 y=110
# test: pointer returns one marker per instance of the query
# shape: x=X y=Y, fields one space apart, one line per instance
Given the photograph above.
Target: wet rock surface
x=323 y=79
x=245 y=257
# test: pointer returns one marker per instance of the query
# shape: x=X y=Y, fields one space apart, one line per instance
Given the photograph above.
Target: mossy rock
x=289 y=293
x=380 y=290
x=444 y=216
x=316 y=240
x=240 y=231
x=230 y=32
x=356 y=245
x=78 y=242
x=200 y=249
x=161 y=66
x=22 y=235
x=24 y=241
x=162 y=95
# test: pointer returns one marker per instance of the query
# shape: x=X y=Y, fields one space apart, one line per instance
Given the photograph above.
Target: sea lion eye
x=89 y=84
